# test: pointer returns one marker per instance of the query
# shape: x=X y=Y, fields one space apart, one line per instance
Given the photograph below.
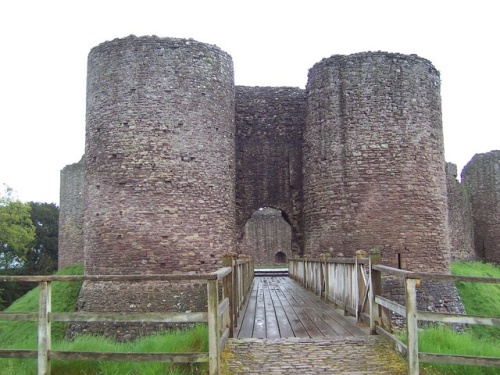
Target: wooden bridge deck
x=278 y=307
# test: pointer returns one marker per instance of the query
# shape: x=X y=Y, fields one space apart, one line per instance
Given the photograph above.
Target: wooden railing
x=340 y=280
x=360 y=284
x=226 y=292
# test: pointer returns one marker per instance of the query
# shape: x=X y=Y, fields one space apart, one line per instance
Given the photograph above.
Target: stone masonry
x=481 y=179
x=373 y=160
x=178 y=160
x=71 y=215
x=459 y=216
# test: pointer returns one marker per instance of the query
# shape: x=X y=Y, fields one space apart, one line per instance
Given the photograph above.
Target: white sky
x=44 y=47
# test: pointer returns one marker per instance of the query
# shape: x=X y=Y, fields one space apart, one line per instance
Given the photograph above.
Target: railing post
x=213 y=327
x=375 y=288
x=360 y=280
x=327 y=275
x=412 y=324
x=227 y=261
x=44 y=331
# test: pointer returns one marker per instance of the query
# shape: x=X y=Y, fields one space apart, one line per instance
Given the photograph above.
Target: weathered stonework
x=481 y=178
x=71 y=219
x=459 y=216
x=178 y=163
x=268 y=238
x=269 y=126
x=159 y=157
x=374 y=160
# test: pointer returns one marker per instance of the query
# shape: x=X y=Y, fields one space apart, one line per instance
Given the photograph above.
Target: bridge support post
x=229 y=291
x=375 y=288
x=362 y=282
x=213 y=327
x=412 y=324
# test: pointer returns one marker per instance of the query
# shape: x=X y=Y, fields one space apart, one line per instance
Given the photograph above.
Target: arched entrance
x=267 y=237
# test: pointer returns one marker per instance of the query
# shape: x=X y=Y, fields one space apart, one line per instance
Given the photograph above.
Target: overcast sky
x=45 y=44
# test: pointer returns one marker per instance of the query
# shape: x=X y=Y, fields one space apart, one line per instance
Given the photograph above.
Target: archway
x=280 y=257
x=267 y=237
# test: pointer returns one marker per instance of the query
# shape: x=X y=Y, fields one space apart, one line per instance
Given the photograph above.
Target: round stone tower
x=374 y=160
x=159 y=158
x=159 y=170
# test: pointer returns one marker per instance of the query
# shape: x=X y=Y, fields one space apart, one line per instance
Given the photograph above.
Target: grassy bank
x=478 y=299
x=23 y=335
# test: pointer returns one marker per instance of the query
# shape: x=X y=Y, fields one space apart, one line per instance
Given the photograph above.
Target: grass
x=478 y=299
x=23 y=335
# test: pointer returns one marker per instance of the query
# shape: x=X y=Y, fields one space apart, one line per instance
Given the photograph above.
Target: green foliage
x=16 y=230
x=41 y=258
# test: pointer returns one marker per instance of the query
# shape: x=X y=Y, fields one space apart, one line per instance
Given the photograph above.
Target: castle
x=182 y=166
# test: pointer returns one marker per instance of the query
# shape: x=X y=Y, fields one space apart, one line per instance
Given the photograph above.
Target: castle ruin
x=181 y=166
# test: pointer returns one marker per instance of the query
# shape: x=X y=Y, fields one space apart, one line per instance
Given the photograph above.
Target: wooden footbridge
x=324 y=300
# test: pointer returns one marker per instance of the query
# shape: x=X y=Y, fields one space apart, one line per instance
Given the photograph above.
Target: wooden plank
x=259 y=324
x=298 y=306
x=44 y=331
x=393 y=306
x=460 y=359
x=130 y=278
x=412 y=325
x=166 y=317
x=26 y=317
x=131 y=357
x=457 y=318
x=272 y=328
x=213 y=327
x=285 y=327
x=19 y=353
x=341 y=326
x=248 y=315
x=295 y=323
x=322 y=321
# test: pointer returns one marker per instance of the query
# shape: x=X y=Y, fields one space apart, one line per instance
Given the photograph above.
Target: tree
x=41 y=258
x=16 y=230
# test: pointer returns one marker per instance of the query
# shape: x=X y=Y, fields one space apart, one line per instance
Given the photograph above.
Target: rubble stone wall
x=71 y=220
x=374 y=160
x=481 y=177
x=459 y=217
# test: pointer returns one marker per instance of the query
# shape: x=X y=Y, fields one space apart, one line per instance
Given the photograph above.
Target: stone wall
x=481 y=177
x=159 y=172
x=177 y=160
x=374 y=160
x=159 y=157
x=268 y=238
x=269 y=125
x=459 y=216
x=71 y=219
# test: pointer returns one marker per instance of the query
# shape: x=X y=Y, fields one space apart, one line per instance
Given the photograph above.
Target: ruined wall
x=71 y=215
x=268 y=237
x=481 y=177
x=159 y=157
x=459 y=216
x=159 y=174
x=269 y=125
x=374 y=160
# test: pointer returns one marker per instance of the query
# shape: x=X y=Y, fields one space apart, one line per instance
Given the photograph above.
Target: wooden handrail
x=318 y=275
x=236 y=282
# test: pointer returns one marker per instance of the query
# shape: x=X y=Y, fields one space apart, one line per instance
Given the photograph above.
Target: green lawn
x=23 y=335
x=478 y=299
